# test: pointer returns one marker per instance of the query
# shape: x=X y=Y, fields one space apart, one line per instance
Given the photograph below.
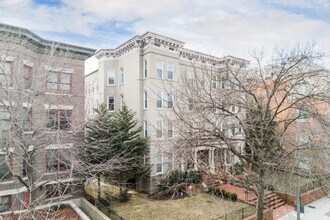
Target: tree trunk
x=260 y=202
x=99 y=187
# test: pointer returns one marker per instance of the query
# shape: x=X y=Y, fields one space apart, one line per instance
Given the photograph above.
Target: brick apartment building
x=41 y=113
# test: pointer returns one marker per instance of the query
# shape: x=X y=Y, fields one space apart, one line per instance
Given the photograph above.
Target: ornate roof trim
x=44 y=42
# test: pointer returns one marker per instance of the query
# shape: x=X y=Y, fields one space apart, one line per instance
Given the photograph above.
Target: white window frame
x=145 y=129
x=122 y=100
x=159 y=99
x=110 y=73
x=160 y=129
x=145 y=99
x=170 y=68
x=160 y=66
x=122 y=76
x=161 y=162
x=170 y=99
x=114 y=101
x=170 y=128
x=145 y=68
x=191 y=78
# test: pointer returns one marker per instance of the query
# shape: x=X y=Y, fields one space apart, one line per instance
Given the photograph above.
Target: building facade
x=41 y=118
x=145 y=73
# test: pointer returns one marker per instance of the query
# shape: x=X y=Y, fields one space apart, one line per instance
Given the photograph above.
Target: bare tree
x=38 y=126
x=269 y=118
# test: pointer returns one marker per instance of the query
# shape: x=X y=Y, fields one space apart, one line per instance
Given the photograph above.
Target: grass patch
x=196 y=206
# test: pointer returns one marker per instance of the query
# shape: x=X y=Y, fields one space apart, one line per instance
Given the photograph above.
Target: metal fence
x=240 y=214
x=310 y=186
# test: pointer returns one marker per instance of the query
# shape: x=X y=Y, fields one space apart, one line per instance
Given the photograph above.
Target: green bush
x=123 y=196
x=222 y=193
x=236 y=169
x=175 y=181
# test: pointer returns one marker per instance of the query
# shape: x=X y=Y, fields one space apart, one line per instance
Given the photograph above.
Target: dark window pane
x=52 y=119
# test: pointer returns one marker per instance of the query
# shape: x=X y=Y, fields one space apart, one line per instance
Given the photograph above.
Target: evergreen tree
x=113 y=146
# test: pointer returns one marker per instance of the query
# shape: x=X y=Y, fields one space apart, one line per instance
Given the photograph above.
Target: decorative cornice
x=83 y=52
x=152 y=39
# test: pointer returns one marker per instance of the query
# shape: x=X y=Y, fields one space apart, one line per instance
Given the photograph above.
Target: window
x=122 y=75
x=190 y=104
x=111 y=103
x=233 y=129
x=170 y=69
x=5 y=164
x=27 y=119
x=145 y=129
x=191 y=79
x=111 y=77
x=223 y=82
x=170 y=129
x=5 y=203
x=214 y=82
x=145 y=97
x=26 y=79
x=203 y=80
x=159 y=69
x=169 y=100
x=159 y=163
x=58 y=160
x=59 y=83
x=303 y=113
x=122 y=101
x=58 y=189
x=159 y=129
x=5 y=73
x=4 y=119
x=59 y=119
x=145 y=68
x=96 y=86
x=159 y=99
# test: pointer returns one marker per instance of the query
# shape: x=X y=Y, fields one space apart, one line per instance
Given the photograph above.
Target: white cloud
x=218 y=27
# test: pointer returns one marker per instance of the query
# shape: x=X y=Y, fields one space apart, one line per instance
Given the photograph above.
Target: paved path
x=317 y=210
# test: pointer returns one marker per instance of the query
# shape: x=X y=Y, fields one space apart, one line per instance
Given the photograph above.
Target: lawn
x=195 y=206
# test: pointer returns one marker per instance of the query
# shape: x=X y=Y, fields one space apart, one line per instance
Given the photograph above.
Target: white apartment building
x=139 y=73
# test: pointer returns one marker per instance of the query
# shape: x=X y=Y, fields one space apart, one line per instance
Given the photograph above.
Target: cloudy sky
x=216 y=27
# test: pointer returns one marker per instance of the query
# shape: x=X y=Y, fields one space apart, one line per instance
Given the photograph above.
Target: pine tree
x=114 y=146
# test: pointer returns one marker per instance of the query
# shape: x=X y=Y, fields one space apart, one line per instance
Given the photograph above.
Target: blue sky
x=216 y=27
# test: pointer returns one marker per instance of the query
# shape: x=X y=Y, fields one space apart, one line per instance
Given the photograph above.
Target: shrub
x=222 y=193
x=236 y=169
x=123 y=196
x=175 y=181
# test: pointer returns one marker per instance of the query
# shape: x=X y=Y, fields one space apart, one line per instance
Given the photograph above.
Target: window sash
x=145 y=94
x=159 y=163
x=170 y=68
x=145 y=67
x=159 y=69
x=5 y=203
x=159 y=129
x=169 y=100
x=111 y=77
x=5 y=165
x=111 y=103
x=159 y=99
x=59 y=119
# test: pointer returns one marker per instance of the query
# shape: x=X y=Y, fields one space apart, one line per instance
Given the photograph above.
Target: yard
x=196 y=206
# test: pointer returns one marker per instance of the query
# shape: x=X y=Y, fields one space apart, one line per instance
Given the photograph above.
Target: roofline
x=27 y=33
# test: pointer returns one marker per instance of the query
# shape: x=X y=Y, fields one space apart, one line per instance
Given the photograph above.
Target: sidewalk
x=319 y=210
